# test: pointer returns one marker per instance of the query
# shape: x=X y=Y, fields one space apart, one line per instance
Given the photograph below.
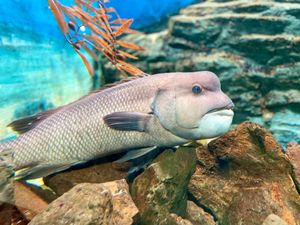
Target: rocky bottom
x=243 y=177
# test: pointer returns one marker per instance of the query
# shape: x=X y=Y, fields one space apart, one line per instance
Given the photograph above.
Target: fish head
x=193 y=106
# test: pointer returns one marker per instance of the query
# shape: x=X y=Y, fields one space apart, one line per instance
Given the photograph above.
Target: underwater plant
x=92 y=27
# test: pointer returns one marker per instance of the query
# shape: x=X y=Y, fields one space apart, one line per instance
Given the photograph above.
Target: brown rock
x=28 y=202
x=162 y=188
x=273 y=219
x=107 y=204
x=293 y=154
x=10 y=197
x=6 y=185
x=99 y=173
x=197 y=215
x=173 y=219
x=249 y=179
x=6 y=195
x=124 y=209
x=10 y=215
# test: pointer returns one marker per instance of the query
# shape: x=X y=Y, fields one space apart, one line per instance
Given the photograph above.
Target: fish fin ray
x=133 y=154
x=122 y=81
x=110 y=85
x=127 y=121
x=25 y=124
x=41 y=170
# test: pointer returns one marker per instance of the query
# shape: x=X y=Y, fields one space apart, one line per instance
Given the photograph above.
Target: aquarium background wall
x=242 y=177
x=38 y=69
x=254 y=47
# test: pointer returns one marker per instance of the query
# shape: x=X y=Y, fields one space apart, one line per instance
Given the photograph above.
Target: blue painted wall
x=35 y=15
x=38 y=68
x=147 y=12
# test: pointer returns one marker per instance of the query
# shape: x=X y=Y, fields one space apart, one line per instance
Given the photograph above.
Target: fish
x=134 y=116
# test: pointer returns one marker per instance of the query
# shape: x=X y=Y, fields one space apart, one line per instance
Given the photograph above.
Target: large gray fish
x=164 y=110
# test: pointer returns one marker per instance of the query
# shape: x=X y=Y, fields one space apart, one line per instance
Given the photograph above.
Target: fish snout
x=225 y=101
x=230 y=105
x=221 y=102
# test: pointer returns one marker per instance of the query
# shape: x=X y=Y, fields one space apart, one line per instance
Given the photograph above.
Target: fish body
x=164 y=110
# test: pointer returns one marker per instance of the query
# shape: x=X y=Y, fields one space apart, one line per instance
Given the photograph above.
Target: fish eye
x=197 y=89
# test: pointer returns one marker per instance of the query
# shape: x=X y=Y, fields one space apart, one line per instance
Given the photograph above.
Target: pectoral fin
x=127 y=121
x=133 y=154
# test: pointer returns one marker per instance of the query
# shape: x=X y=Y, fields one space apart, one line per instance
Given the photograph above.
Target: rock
x=243 y=177
x=6 y=184
x=124 y=209
x=293 y=153
x=273 y=219
x=7 y=198
x=85 y=204
x=249 y=45
x=237 y=40
x=9 y=213
x=197 y=215
x=285 y=126
x=27 y=202
x=279 y=78
x=98 y=173
x=6 y=213
x=107 y=203
x=162 y=188
x=279 y=98
x=209 y=30
x=173 y=219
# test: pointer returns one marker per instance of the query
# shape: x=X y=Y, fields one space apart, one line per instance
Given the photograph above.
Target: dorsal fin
x=25 y=124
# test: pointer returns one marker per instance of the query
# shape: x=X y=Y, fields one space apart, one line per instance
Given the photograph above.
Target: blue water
x=36 y=16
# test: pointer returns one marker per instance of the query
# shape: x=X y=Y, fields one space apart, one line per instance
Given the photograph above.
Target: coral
x=95 y=28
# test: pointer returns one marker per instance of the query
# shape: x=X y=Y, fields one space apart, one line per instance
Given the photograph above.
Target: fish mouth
x=223 y=111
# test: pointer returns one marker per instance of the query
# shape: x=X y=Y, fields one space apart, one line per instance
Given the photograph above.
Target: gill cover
x=176 y=112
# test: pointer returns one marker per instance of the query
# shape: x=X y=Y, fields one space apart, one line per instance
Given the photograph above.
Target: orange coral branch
x=96 y=29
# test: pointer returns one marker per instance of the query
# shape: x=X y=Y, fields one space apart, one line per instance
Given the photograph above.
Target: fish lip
x=225 y=112
x=229 y=106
